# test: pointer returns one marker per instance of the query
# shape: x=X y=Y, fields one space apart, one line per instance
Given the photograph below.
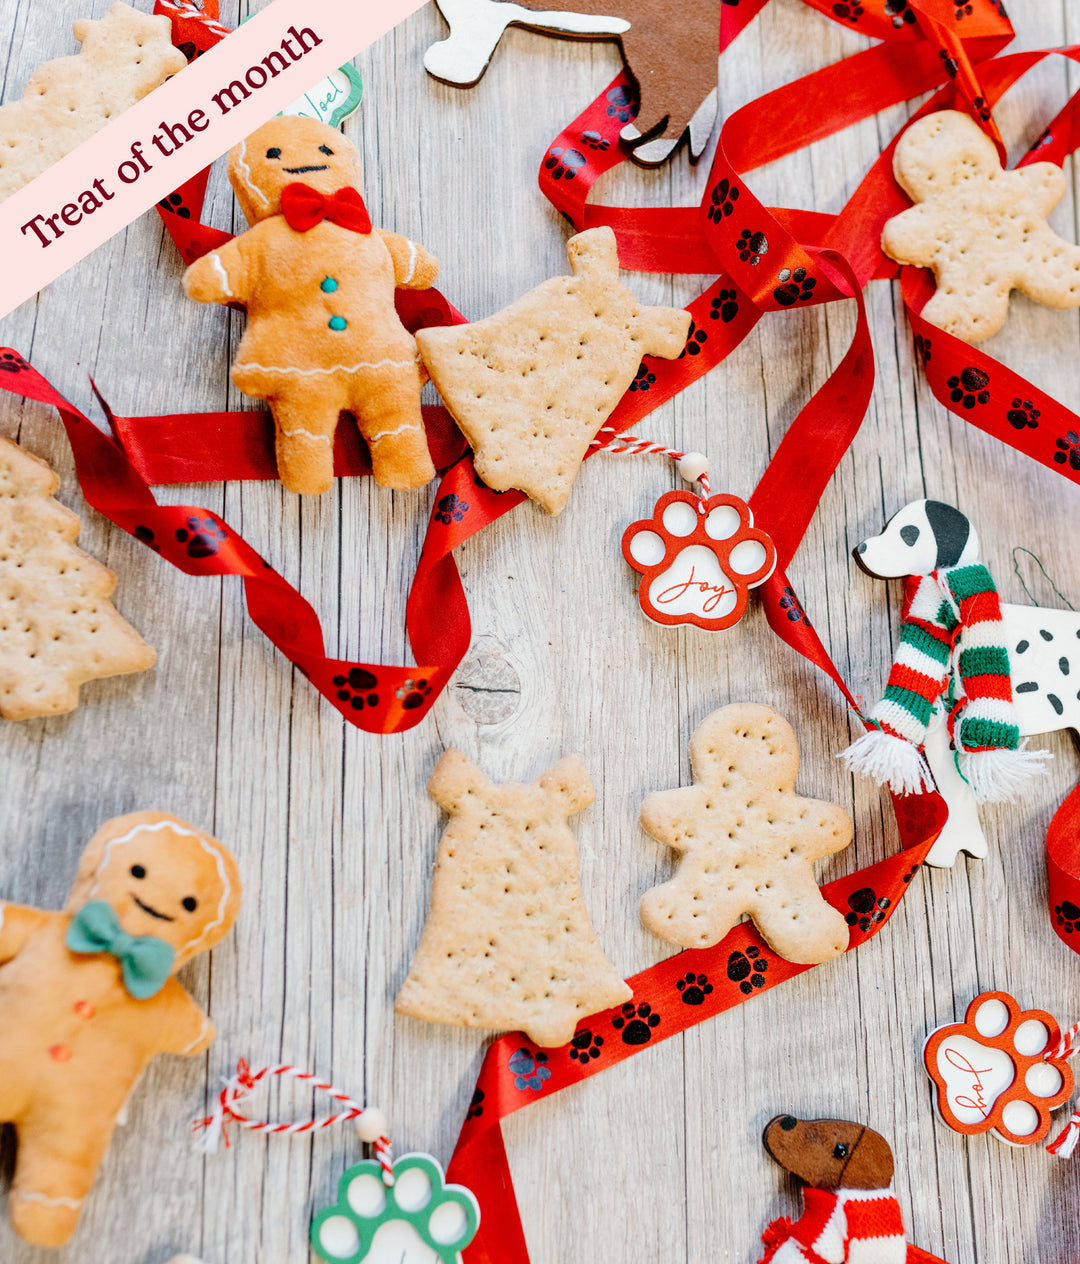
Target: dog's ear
x=951 y=531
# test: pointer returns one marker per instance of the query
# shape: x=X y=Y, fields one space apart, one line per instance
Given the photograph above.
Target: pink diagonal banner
x=181 y=127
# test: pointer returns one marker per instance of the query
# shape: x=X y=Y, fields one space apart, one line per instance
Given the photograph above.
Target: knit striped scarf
x=951 y=643
x=844 y=1226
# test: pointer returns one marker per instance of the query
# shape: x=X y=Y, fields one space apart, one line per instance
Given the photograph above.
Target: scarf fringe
x=893 y=761
x=998 y=776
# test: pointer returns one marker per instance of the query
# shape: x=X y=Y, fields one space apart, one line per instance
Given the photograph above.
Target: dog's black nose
x=788 y=1122
x=861 y=548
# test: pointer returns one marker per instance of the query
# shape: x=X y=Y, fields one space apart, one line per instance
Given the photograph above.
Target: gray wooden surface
x=660 y=1158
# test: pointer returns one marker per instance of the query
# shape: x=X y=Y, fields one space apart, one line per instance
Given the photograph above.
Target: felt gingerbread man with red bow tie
x=323 y=335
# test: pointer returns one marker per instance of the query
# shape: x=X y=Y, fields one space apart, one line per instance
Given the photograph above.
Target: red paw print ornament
x=698 y=559
x=997 y=1070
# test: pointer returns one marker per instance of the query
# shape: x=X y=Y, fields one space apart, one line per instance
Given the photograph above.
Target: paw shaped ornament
x=698 y=559
x=1002 y=1069
x=419 y=1219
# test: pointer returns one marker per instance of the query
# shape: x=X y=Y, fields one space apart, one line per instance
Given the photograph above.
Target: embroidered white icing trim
x=200 y=1037
x=177 y=828
x=412 y=263
x=73 y=1204
x=386 y=434
x=219 y=268
x=337 y=368
x=245 y=175
x=307 y=434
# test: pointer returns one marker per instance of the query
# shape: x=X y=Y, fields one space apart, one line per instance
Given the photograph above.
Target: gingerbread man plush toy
x=323 y=335
x=87 y=998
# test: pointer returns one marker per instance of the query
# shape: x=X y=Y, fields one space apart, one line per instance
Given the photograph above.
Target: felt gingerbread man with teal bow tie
x=88 y=998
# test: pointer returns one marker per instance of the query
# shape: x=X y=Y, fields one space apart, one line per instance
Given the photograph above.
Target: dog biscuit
x=323 y=336
x=981 y=228
x=748 y=842
x=508 y=943
x=58 y=628
x=531 y=386
x=88 y=998
x=124 y=55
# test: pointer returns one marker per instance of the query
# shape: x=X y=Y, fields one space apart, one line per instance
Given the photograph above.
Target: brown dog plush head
x=829 y=1153
x=162 y=877
x=287 y=151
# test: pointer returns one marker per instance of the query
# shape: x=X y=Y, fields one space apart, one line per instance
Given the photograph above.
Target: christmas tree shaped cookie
x=57 y=625
x=508 y=943
x=531 y=386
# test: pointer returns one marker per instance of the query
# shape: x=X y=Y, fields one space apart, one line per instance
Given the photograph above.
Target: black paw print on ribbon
x=982 y=109
x=451 y=509
x=694 y=341
x=923 y=349
x=356 y=688
x=595 y=141
x=724 y=197
x=635 y=1023
x=910 y=874
x=747 y=969
x=693 y=988
x=12 y=362
x=620 y=104
x=866 y=909
x=643 y=378
x=145 y=536
x=564 y=164
x=725 y=306
x=752 y=246
x=1067 y=916
x=850 y=12
x=175 y=203
x=900 y=12
x=962 y=11
x=794 y=287
x=1023 y=415
x=411 y=693
x=476 y=1105
x=969 y=388
x=1068 y=449
x=585 y=1047
x=189 y=50
x=789 y=603
x=202 y=536
x=951 y=64
x=529 y=1069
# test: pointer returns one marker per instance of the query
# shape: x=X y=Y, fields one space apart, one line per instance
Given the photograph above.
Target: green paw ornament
x=418 y=1220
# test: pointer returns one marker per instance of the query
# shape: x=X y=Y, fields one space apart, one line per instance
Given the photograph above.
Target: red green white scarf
x=951 y=643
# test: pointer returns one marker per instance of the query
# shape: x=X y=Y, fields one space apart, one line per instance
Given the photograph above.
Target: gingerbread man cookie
x=982 y=229
x=748 y=842
x=88 y=998
x=323 y=336
x=531 y=386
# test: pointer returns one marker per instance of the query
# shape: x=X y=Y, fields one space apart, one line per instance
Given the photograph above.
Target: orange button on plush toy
x=323 y=335
x=87 y=998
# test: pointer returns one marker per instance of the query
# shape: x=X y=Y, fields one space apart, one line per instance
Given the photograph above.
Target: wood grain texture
x=660 y=1159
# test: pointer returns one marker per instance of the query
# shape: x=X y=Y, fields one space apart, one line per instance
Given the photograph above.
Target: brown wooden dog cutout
x=672 y=56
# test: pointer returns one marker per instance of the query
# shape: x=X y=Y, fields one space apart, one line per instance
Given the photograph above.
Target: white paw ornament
x=698 y=555
x=1003 y=1070
x=388 y=1211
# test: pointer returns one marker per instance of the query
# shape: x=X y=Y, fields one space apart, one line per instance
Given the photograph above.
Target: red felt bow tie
x=304 y=207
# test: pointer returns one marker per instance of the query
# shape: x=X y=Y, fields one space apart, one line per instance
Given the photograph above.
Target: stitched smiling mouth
x=297 y=171
x=163 y=917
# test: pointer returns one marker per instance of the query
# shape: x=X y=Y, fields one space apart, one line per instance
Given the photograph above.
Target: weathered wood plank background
x=660 y=1159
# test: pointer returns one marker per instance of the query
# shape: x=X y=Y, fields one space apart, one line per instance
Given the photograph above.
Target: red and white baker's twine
x=241 y=1085
x=1065 y=1143
x=187 y=9
x=631 y=445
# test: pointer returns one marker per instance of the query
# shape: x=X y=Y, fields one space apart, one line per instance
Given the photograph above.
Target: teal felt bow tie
x=145 y=960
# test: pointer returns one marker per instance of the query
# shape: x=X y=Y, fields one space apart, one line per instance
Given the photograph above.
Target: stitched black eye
x=273 y=153
x=909 y=535
x=190 y=903
x=841 y=1151
x=137 y=871
x=324 y=150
